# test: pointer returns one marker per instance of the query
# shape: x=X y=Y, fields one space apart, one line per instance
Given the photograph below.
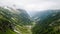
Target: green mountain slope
x=13 y=21
x=49 y=25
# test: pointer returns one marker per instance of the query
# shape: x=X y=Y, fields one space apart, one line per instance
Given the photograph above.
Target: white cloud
x=33 y=4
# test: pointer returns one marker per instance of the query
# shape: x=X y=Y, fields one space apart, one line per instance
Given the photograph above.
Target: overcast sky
x=30 y=5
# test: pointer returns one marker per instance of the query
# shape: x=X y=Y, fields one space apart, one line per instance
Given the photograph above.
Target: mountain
x=20 y=14
x=44 y=13
x=13 y=21
x=25 y=18
x=18 y=21
x=48 y=22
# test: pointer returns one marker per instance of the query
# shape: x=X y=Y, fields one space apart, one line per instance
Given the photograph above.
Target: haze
x=32 y=5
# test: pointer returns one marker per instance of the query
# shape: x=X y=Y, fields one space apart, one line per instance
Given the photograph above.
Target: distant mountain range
x=44 y=13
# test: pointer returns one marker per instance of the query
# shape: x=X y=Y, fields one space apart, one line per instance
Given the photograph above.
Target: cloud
x=31 y=5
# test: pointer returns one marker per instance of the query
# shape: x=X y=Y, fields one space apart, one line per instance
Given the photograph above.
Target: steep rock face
x=49 y=23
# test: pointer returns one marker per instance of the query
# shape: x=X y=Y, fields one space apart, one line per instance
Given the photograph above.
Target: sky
x=32 y=5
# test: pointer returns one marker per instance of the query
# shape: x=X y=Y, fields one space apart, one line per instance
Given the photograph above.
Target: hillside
x=18 y=21
x=14 y=21
x=48 y=22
